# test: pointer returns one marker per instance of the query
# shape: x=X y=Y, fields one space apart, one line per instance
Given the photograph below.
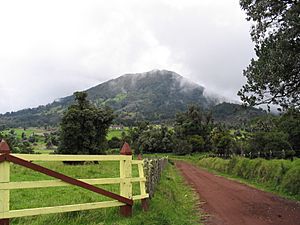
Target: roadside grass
x=264 y=187
x=173 y=203
x=280 y=177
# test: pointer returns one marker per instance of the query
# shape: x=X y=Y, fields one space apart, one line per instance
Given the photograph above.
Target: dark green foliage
x=197 y=142
x=193 y=128
x=16 y=145
x=289 y=123
x=84 y=127
x=51 y=139
x=281 y=175
x=32 y=138
x=151 y=139
x=235 y=115
x=273 y=77
x=272 y=134
x=182 y=147
x=223 y=142
x=265 y=142
x=115 y=142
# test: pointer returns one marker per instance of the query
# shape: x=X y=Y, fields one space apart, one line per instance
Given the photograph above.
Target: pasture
x=40 y=145
x=173 y=202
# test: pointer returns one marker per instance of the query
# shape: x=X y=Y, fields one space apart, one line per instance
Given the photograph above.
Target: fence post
x=144 y=201
x=4 y=178
x=125 y=174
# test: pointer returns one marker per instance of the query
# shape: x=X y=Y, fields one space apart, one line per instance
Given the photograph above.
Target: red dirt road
x=228 y=202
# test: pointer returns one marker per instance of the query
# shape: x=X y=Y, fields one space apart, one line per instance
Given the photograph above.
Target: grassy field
x=115 y=133
x=173 y=202
x=40 y=145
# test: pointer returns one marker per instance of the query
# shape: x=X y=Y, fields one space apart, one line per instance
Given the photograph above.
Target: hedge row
x=282 y=175
x=153 y=169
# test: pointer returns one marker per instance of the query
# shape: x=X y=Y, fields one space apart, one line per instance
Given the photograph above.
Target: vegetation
x=195 y=131
x=273 y=77
x=151 y=139
x=153 y=169
x=155 y=96
x=16 y=144
x=274 y=134
x=84 y=127
x=278 y=175
x=47 y=140
x=194 y=127
x=173 y=202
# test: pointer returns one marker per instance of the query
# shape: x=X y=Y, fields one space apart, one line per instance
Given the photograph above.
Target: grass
x=173 y=202
x=28 y=132
x=115 y=133
x=281 y=177
x=40 y=145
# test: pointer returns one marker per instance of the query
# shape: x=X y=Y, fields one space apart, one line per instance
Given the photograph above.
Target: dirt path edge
x=229 y=202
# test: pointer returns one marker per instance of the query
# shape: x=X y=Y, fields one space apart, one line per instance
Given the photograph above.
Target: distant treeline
x=195 y=131
x=50 y=115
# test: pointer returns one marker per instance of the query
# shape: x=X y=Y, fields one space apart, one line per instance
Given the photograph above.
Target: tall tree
x=84 y=127
x=194 y=126
x=273 y=77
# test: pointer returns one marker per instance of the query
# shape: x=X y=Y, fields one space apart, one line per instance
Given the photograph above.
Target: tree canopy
x=84 y=127
x=194 y=126
x=273 y=77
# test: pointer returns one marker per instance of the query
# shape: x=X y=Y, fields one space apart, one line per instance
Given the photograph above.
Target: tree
x=194 y=126
x=222 y=141
x=115 y=142
x=84 y=127
x=264 y=142
x=182 y=147
x=289 y=123
x=272 y=134
x=274 y=77
x=154 y=140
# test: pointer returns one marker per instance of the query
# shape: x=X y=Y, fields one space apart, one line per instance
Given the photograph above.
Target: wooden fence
x=124 y=199
x=153 y=171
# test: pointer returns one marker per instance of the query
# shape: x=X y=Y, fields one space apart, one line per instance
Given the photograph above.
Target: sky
x=52 y=48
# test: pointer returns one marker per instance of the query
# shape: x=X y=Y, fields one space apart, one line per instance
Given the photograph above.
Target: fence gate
x=124 y=200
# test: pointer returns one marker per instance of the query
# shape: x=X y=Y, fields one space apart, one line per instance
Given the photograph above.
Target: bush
x=115 y=142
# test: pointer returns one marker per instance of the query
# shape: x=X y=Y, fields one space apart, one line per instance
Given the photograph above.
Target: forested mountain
x=234 y=114
x=155 y=96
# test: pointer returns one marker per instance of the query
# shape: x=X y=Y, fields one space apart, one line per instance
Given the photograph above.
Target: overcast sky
x=49 y=49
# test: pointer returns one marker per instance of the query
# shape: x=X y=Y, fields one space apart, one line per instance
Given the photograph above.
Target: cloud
x=49 y=49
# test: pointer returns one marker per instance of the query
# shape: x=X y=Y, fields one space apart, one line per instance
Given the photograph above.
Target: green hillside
x=155 y=96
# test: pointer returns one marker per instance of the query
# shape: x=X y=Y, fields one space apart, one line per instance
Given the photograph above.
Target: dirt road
x=228 y=202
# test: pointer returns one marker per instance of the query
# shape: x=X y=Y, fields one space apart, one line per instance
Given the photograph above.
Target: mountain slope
x=155 y=96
